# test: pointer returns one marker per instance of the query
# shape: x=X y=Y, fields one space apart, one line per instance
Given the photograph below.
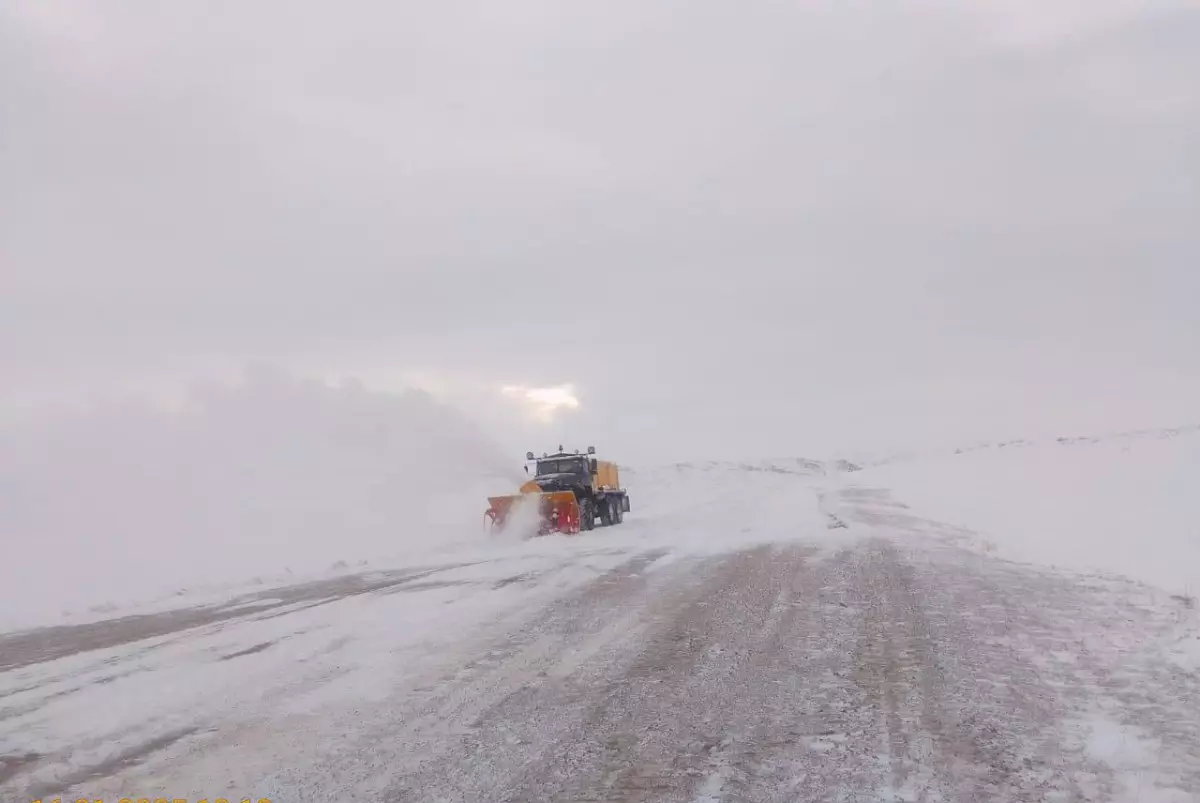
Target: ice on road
x=835 y=646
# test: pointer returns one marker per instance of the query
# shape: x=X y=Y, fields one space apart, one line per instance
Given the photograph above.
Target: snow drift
x=274 y=476
x=1123 y=504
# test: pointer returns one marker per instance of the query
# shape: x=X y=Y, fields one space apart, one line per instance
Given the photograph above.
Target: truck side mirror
x=528 y=456
x=592 y=465
x=591 y=450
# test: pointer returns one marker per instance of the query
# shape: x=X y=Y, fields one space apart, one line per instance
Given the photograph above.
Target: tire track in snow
x=877 y=674
x=899 y=668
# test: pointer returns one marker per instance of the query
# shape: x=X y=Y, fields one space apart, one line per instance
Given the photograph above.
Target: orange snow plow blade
x=558 y=511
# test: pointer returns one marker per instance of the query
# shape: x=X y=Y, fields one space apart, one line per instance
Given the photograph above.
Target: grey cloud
x=780 y=192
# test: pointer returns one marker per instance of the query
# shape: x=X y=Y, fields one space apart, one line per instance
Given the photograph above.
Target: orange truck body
x=571 y=491
x=607 y=477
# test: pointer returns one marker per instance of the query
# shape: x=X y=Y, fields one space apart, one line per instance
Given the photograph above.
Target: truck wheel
x=587 y=515
x=606 y=513
x=618 y=511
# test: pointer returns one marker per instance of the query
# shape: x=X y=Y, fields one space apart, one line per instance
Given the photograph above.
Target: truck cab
x=595 y=483
x=571 y=465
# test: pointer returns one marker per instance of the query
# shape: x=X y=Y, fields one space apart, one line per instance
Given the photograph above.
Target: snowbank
x=274 y=477
x=1126 y=504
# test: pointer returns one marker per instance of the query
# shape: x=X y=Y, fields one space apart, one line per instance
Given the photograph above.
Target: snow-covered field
x=1113 y=506
x=1125 y=504
x=1016 y=620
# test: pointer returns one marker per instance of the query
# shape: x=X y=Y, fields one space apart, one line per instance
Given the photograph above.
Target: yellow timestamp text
x=156 y=800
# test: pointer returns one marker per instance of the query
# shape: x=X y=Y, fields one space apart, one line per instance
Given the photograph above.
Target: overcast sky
x=736 y=228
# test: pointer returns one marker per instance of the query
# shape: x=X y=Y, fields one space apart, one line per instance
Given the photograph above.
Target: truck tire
x=606 y=513
x=587 y=515
x=618 y=510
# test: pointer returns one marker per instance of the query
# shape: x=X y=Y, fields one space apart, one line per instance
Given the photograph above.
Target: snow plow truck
x=571 y=491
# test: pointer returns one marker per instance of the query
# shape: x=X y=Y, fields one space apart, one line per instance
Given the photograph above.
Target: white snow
x=270 y=481
x=712 y=507
x=1185 y=652
x=131 y=509
x=339 y=656
x=1125 y=505
x=1121 y=506
x=348 y=652
x=710 y=790
x=1133 y=759
x=262 y=665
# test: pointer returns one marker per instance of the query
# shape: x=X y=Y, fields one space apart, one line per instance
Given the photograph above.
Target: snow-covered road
x=882 y=660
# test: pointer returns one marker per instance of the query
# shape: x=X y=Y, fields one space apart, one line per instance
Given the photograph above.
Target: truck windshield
x=571 y=465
